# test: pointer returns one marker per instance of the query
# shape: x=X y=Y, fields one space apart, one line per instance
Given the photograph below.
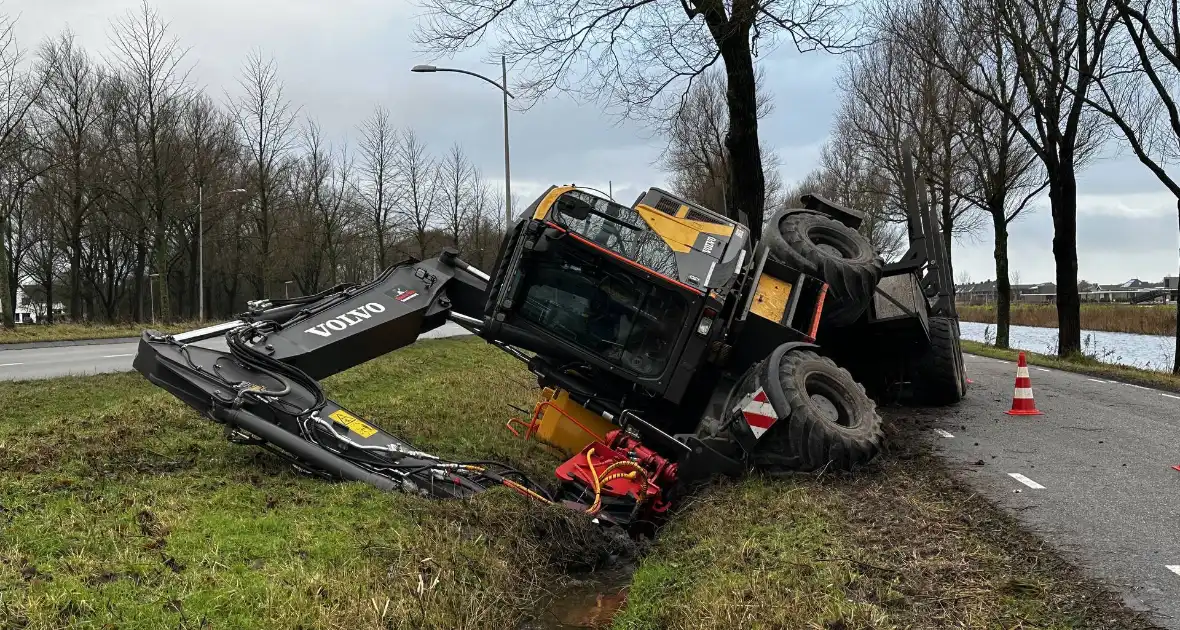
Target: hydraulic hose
x=302 y=448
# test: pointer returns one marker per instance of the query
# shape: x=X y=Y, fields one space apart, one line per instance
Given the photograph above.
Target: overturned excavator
x=669 y=348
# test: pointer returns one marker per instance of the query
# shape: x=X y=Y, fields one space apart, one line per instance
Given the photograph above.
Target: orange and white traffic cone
x=1022 y=398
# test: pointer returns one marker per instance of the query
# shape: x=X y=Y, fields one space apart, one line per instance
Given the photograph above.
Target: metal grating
x=903 y=288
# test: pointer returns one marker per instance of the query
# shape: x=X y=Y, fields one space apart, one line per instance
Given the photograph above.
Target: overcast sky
x=341 y=58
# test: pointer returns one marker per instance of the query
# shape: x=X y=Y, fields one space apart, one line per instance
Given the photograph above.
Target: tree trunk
x=194 y=277
x=1064 y=201
x=947 y=221
x=746 y=188
x=140 y=270
x=49 y=300
x=75 y=276
x=8 y=293
x=1003 y=286
x=1176 y=359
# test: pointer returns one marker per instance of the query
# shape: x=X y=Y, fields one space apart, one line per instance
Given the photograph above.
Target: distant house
x=31 y=307
x=1043 y=293
x=1131 y=291
x=976 y=292
x=985 y=292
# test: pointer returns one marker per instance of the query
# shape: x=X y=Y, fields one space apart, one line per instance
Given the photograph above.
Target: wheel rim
x=830 y=400
x=830 y=242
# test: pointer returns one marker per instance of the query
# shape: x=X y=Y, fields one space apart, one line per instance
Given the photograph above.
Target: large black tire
x=832 y=252
x=939 y=378
x=826 y=419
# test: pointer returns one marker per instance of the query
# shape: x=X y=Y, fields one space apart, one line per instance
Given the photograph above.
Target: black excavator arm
x=265 y=388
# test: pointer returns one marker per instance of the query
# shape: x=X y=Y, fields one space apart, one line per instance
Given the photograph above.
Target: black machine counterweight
x=668 y=348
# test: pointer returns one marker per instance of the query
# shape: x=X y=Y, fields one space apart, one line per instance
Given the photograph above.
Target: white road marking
x=116 y=356
x=1042 y=370
x=10 y=364
x=944 y=434
x=1135 y=386
x=1174 y=568
x=1170 y=396
x=1096 y=380
x=1026 y=481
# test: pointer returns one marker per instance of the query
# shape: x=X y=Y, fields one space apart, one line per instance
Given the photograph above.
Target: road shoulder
x=1120 y=373
x=33 y=345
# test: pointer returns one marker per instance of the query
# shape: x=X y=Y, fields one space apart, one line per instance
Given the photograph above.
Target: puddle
x=591 y=602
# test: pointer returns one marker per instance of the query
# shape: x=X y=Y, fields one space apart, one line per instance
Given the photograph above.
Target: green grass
x=899 y=546
x=24 y=333
x=120 y=507
x=1082 y=365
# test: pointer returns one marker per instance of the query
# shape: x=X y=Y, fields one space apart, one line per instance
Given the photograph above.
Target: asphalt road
x=1092 y=476
x=39 y=363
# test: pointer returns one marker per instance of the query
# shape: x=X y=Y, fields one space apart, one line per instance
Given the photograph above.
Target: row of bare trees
x=1012 y=98
x=115 y=172
x=1006 y=100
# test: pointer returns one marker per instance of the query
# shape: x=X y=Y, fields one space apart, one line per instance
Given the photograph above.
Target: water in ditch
x=1150 y=352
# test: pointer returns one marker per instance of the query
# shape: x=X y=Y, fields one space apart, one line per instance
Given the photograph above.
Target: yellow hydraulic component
x=770 y=298
x=565 y=424
x=680 y=234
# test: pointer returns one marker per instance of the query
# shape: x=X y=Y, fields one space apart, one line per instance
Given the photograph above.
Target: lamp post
x=286 y=287
x=201 y=245
x=503 y=87
x=152 y=295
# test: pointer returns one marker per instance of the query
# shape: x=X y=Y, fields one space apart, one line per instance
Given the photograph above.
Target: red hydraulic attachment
x=621 y=467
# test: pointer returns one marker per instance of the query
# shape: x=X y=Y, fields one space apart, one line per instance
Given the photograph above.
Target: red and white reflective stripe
x=759 y=413
x=406 y=296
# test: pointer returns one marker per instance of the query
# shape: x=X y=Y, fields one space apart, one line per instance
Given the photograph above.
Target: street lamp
x=201 y=244
x=286 y=286
x=152 y=296
x=503 y=87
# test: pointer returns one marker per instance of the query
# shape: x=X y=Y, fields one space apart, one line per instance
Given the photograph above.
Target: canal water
x=1151 y=352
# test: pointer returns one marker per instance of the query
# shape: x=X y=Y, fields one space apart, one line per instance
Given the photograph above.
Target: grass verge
x=119 y=507
x=901 y=545
x=1152 y=319
x=25 y=333
x=1081 y=365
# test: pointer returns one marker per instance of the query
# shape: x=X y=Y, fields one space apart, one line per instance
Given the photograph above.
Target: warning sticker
x=352 y=422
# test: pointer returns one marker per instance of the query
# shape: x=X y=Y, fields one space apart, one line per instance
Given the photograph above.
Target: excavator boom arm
x=265 y=387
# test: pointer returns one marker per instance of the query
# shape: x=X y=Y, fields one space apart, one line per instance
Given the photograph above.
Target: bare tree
x=1002 y=170
x=1057 y=48
x=265 y=120
x=149 y=62
x=891 y=97
x=696 y=156
x=210 y=141
x=631 y=53
x=848 y=178
x=71 y=107
x=378 y=158
x=1139 y=89
x=458 y=182
x=418 y=190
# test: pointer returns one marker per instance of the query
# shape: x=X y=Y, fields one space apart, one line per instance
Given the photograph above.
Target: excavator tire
x=833 y=252
x=826 y=420
x=939 y=376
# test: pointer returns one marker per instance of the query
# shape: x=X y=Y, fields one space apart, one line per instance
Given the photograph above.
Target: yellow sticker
x=352 y=422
